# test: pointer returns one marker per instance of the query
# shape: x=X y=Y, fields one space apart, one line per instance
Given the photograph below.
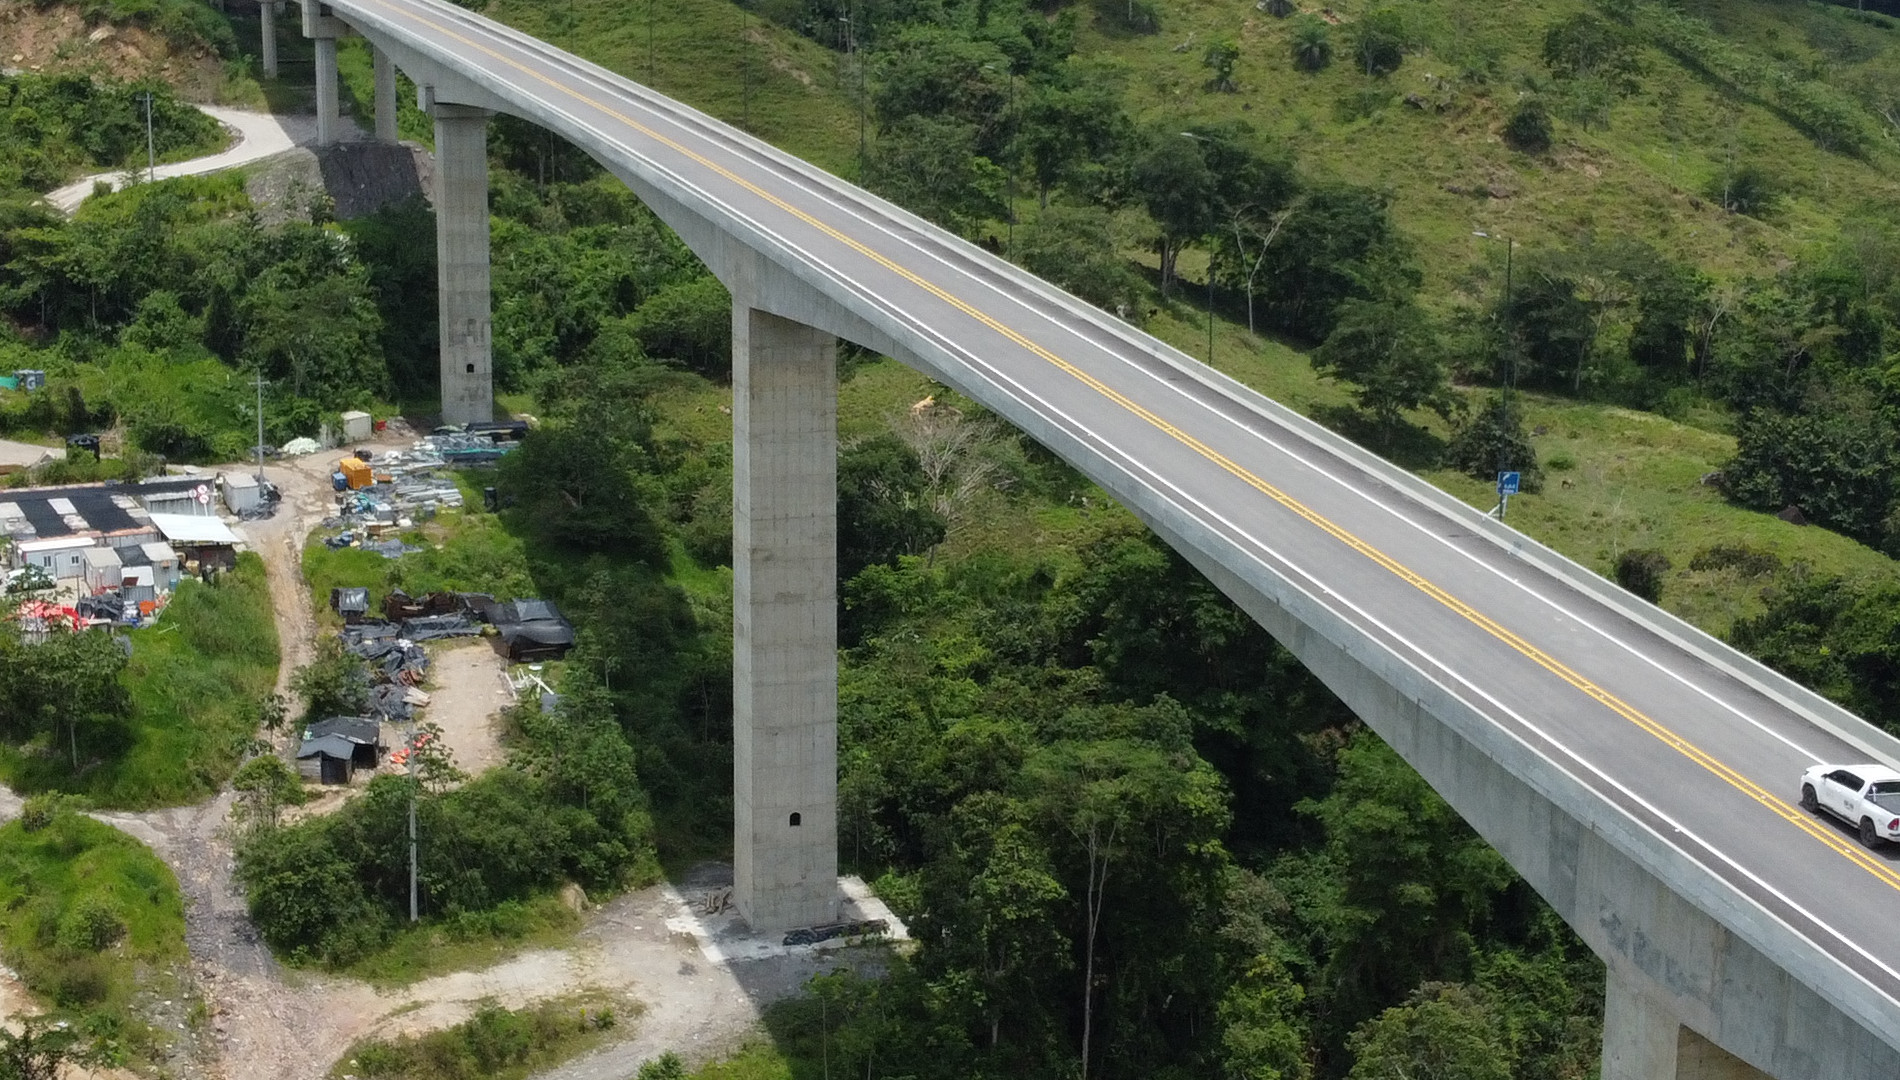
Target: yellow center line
x=1781 y=807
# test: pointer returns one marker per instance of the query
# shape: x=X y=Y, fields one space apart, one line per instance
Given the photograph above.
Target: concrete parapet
x=462 y=268
x=785 y=621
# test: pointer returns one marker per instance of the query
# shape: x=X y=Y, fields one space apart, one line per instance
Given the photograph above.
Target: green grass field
x=91 y=920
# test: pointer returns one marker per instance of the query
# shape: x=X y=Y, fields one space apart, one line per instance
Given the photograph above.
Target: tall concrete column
x=1642 y=1040
x=461 y=252
x=385 y=71
x=267 y=20
x=327 y=129
x=784 y=621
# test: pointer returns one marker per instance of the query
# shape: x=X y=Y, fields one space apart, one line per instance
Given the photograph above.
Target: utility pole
x=851 y=52
x=745 y=43
x=151 y=146
x=650 y=68
x=260 y=429
x=414 y=914
x=1012 y=159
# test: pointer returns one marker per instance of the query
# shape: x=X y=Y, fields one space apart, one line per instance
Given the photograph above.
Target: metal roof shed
x=103 y=569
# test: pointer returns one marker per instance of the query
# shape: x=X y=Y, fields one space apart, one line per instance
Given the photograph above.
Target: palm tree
x=1312 y=43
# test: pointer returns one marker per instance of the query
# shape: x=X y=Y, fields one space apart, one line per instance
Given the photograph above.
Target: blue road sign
x=1507 y=483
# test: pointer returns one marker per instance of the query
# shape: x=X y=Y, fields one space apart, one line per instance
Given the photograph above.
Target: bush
x=1529 y=129
x=1745 y=560
x=1748 y=190
x=1494 y=441
x=1641 y=570
x=92 y=925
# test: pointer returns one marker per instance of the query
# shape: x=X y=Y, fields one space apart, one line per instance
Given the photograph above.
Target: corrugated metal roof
x=193 y=529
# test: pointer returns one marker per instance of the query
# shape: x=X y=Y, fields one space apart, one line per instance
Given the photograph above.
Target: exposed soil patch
x=467 y=697
x=59 y=39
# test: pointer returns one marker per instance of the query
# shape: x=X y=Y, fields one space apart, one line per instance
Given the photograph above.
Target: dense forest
x=1126 y=828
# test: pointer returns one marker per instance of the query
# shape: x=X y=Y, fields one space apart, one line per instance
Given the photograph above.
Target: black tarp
x=433 y=627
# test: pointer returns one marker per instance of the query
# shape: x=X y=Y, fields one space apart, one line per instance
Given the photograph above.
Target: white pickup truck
x=1864 y=796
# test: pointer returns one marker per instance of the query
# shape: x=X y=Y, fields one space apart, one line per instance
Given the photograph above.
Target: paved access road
x=256 y=136
x=1624 y=697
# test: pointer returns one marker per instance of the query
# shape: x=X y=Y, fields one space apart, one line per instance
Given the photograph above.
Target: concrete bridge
x=1639 y=774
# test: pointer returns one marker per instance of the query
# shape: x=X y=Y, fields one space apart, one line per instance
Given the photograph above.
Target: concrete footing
x=327 y=120
x=267 y=40
x=385 y=72
x=461 y=249
x=1643 y=1040
x=785 y=621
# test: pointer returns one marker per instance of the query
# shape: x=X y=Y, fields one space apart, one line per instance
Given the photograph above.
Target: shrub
x=1748 y=190
x=1529 y=129
x=1494 y=441
x=92 y=925
x=1745 y=560
x=1641 y=570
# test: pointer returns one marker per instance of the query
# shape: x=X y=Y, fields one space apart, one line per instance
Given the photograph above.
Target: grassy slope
x=195 y=677
x=1644 y=176
x=47 y=874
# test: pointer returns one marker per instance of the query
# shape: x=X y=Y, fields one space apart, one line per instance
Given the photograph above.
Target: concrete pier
x=1642 y=1040
x=385 y=71
x=267 y=21
x=785 y=621
x=461 y=249
x=327 y=122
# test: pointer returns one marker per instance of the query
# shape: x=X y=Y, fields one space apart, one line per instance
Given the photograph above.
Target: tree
x=265 y=785
x=1339 y=244
x=42 y=1050
x=1380 y=39
x=1835 y=460
x=1493 y=440
x=1584 y=47
x=1172 y=179
x=1075 y=248
x=1389 y=351
x=1444 y=1031
x=1065 y=126
x=1528 y=129
x=1312 y=43
x=1641 y=570
x=1263 y=1025
x=882 y=511
x=1748 y=190
x=930 y=165
x=333 y=683
x=67 y=683
x=1220 y=58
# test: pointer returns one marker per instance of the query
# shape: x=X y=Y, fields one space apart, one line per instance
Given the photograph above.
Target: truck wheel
x=1808 y=801
x=1867 y=834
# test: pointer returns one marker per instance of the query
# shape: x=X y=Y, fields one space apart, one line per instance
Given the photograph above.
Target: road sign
x=1507 y=483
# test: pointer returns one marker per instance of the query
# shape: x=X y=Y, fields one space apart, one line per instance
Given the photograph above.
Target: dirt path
x=467 y=698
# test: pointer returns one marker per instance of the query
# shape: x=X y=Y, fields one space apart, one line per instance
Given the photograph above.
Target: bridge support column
x=385 y=71
x=1643 y=1040
x=785 y=621
x=327 y=119
x=267 y=20
x=461 y=253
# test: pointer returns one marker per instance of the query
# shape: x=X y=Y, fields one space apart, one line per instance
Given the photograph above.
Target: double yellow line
x=1781 y=807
